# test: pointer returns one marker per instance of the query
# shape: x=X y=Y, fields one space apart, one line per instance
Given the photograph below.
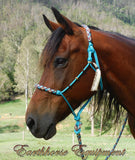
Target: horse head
x=63 y=58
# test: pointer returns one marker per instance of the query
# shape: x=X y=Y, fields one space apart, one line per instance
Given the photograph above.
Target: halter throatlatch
x=96 y=81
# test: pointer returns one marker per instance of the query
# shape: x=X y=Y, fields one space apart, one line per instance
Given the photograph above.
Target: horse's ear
x=64 y=22
x=51 y=25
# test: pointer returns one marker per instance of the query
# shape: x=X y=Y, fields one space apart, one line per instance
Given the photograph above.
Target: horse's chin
x=50 y=132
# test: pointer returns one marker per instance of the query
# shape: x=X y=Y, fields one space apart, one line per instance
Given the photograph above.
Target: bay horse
x=64 y=57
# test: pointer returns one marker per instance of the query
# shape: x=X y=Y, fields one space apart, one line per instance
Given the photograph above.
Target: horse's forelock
x=52 y=46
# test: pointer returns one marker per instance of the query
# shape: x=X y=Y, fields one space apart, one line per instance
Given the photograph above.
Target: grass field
x=13 y=132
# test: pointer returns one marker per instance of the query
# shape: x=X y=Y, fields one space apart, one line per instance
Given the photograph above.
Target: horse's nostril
x=30 y=123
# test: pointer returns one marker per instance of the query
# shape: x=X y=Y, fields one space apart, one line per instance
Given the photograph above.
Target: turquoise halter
x=90 y=64
x=97 y=79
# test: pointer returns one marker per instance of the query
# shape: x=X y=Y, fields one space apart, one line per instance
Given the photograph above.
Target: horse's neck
x=117 y=62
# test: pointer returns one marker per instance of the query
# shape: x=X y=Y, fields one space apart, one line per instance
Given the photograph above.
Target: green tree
x=7 y=58
x=5 y=87
x=7 y=62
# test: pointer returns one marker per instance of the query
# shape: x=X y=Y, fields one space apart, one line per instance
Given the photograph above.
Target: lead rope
x=123 y=126
x=77 y=128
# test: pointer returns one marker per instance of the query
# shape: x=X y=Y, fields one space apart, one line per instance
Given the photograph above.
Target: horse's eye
x=60 y=62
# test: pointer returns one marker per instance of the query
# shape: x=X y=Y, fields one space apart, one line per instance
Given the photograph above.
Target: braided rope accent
x=87 y=31
x=80 y=146
x=43 y=88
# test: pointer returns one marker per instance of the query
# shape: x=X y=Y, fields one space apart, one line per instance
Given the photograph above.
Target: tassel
x=96 y=80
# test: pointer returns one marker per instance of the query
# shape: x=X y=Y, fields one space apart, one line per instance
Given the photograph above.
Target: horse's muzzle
x=41 y=127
